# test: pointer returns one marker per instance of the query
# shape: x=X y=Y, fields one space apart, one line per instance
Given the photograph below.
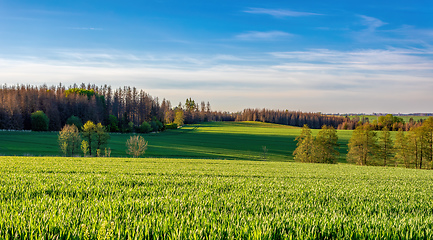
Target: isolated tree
x=401 y=147
x=325 y=145
x=304 y=151
x=179 y=118
x=136 y=146
x=84 y=147
x=362 y=145
x=89 y=131
x=385 y=145
x=69 y=139
x=101 y=136
x=40 y=121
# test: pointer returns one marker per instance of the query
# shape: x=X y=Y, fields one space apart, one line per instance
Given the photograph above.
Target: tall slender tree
x=386 y=146
x=362 y=146
x=326 y=143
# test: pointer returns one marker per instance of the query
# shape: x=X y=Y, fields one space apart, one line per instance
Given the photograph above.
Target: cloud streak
x=279 y=12
x=262 y=36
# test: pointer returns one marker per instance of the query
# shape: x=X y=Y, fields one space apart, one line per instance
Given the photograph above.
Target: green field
x=146 y=198
x=214 y=140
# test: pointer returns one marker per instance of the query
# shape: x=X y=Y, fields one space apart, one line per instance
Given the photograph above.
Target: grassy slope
x=221 y=140
x=55 y=197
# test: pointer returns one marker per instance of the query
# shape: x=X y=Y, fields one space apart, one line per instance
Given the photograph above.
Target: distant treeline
x=389 y=121
x=125 y=107
x=292 y=118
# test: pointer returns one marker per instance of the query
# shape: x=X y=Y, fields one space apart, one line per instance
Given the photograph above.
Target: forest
x=126 y=109
x=122 y=107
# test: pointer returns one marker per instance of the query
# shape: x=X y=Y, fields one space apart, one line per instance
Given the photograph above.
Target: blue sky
x=327 y=56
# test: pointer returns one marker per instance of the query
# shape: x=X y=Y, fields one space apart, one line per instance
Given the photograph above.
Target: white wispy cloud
x=371 y=23
x=87 y=28
x=255 y=35
x=279 y=12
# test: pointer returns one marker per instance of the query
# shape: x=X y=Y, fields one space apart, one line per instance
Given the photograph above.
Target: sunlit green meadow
x=148 y=198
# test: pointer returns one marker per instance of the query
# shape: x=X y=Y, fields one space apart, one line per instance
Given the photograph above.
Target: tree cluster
x=92 y=139
x=319 y=149
x=388 y=121
x=412 y=149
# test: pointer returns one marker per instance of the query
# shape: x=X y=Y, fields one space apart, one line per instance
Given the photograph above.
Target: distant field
x=215 y=140
x=127 y=198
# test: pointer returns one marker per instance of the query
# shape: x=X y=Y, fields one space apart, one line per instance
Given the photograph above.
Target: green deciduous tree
x=101 y=136
x=89 y=131
x=385 y=145
x=325 y=145
x=362 y=145
x=74 y=120
x=69 y=140
x=179 y=118
x=40 y=121
x=401 y=147
x=96 y=136
x=84 y=147
x=136 y=146
x=304 y=151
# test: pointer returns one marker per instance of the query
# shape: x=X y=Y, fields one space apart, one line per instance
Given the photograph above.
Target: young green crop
x=127 y=198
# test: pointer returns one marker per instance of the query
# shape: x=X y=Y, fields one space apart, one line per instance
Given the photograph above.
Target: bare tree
x=136 y=146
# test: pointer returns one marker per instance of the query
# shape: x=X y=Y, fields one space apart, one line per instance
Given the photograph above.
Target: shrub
x=74 y=120
x=171 y=126
x=145 y=127
x=39 y=121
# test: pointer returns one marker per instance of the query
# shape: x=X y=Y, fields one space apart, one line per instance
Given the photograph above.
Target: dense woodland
x=124 y=107
x=293 y=118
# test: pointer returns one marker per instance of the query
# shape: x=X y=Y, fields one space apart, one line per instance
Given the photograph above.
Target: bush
x=171 y=126
x=145 y=127
x=74 y=120
x=113 y=123
x=39 y=121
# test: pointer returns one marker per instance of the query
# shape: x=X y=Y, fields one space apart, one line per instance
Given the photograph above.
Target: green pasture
x=214 y=140
x=155 y=198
